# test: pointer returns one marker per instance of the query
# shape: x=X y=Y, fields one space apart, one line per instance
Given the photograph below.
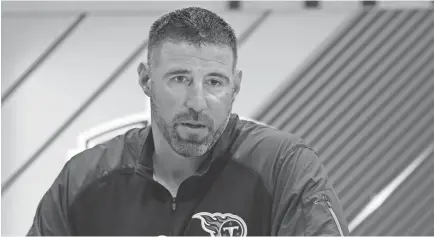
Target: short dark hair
x=194 y=25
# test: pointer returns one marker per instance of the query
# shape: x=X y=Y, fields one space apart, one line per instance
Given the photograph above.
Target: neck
x=170 y=168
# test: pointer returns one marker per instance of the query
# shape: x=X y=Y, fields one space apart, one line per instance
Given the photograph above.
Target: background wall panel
x=277 y=49
x=20 y=47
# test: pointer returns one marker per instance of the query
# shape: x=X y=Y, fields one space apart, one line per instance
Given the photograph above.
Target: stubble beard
x=191 y=147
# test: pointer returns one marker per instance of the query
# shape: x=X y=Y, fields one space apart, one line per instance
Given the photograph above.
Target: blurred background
x=355 y=79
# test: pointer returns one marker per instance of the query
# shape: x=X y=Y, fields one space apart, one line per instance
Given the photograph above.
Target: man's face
x=192 y=92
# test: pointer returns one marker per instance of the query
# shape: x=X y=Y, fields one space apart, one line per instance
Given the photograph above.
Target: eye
x=214 y=82
x=180 y=79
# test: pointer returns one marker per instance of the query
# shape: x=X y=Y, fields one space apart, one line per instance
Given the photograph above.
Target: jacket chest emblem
x=218 y=224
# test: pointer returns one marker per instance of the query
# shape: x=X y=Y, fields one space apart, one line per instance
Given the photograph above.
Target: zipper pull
x=173 y=204
x=329 y=205
x=335 y=218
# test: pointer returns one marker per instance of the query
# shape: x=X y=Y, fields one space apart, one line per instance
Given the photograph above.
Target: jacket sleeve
x=304 y=201
x=51 y=214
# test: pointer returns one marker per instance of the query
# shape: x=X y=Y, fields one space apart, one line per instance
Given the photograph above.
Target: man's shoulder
x=263 y=149
x=109 y=153
x=118 y=152
x=269 y=142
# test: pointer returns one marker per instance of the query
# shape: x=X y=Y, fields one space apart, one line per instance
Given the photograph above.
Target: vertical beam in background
x=369 y=4
x=112 y=78
x=311 y=4
x=234 y=5
x=14 y=87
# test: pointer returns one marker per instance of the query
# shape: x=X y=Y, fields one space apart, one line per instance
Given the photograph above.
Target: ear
x=144 y=79
x=238 y=78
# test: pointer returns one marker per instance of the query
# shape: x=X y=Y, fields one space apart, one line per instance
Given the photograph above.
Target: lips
x=193 y=125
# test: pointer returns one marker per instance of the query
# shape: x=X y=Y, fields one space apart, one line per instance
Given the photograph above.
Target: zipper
x=329 y=206
x=173 y=202
x=172 y=212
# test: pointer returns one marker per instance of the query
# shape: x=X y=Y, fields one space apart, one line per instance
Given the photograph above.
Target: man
x=197 y=169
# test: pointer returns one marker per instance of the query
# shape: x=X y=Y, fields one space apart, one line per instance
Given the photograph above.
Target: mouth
x=193 y=125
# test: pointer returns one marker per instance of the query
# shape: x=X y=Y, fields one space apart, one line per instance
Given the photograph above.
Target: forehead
x=188 y=55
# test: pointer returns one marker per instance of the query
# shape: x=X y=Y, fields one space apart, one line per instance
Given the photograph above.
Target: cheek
x=167 y=102
x=221 y=105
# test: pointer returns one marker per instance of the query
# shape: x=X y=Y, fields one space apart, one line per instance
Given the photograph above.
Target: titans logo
x=218 y=224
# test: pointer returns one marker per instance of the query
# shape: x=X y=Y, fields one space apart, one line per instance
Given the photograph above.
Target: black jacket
x=256 y=181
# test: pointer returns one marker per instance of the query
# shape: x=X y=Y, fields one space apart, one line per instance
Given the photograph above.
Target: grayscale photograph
x=217 y=118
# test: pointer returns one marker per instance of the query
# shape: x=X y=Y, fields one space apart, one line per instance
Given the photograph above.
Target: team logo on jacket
x=218 y=224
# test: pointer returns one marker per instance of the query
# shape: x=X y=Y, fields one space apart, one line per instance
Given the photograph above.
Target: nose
x=196 y=98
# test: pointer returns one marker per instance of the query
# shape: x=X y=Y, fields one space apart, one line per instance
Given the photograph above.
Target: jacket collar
x=222 y=148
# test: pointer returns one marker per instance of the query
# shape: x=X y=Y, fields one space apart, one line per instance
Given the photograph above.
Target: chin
x=192 y=146
x=191 y=150
x=189 y=144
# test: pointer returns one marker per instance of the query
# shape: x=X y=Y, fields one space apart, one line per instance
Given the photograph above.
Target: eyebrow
x=176 y=72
